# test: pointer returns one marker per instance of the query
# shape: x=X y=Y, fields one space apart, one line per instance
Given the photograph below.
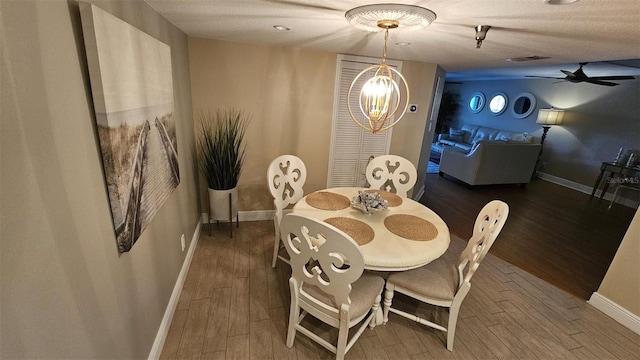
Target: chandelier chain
x=384 y=49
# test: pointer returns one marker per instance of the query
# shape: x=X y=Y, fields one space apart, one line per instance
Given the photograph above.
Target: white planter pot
x=219 y=204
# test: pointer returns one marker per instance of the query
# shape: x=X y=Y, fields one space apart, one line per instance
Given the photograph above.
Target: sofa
x=469 y=135
x=491 y=162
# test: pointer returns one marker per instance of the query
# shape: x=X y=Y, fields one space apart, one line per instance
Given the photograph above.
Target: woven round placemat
x=359 y=231
x=328 y=201
x=392 y=199
x=411 y=227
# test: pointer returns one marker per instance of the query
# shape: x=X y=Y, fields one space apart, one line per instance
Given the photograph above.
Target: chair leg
x=294 y=314
x=451 y=326
x=276 y=248
x=388 y=295
x=343 y=334
x=375 y=309
x=293 y=319
x=276 y=244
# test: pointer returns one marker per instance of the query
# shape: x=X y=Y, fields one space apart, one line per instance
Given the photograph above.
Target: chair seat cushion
x=436 y=280
x=363 y=294
x=448 y=142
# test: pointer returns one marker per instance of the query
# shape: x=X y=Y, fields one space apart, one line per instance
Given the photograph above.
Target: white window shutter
x=352 y=146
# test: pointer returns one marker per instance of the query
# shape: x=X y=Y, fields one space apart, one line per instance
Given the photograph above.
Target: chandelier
x=380 y=98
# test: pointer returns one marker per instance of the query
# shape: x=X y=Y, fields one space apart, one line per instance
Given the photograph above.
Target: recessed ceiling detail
x=409 y=17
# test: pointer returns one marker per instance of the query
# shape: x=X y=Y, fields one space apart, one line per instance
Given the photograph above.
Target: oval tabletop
x=407 y=235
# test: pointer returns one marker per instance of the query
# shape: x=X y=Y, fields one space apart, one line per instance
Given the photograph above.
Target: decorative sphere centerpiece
x=369 y=202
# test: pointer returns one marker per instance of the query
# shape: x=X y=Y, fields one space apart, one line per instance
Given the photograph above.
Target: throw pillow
x=456 y=135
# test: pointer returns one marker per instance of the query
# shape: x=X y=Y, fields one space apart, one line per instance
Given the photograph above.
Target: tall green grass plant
x=221 y=147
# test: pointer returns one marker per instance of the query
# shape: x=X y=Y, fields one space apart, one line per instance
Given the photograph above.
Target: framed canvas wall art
x=132 y=86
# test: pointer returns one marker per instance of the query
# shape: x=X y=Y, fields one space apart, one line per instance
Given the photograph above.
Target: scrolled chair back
x=286 y=176
x=488 y=225
x=322 y=256
x=391 y=173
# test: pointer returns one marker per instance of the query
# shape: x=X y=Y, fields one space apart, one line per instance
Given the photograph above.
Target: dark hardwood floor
x=555 y=233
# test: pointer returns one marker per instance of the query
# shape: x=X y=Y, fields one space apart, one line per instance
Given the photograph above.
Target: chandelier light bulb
x=376 y=96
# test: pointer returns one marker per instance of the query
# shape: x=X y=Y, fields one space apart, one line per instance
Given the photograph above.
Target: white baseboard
x=616 y=312
x=570 y=184
x=254 y=215
x=161 y=336
x=586 y=189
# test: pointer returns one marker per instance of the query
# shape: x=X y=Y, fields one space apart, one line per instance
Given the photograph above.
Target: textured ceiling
x=585 y=31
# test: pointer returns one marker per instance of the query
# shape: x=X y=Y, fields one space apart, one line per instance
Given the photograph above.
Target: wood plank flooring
x=235 y=306
x=555 y=233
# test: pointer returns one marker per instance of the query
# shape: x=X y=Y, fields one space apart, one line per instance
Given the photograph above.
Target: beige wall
x=411 y=137
x=621 y=283
x=66 y=293
x=289 y=94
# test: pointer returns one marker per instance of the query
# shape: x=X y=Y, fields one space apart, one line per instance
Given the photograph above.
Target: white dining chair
x=391 y=173
x=445 y=284
x=328 y=283
x=286 y=176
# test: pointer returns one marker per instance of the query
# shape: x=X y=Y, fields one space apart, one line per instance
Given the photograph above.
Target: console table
x=612 y=168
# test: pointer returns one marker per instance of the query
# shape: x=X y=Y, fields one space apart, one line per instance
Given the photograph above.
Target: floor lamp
x=546 y=117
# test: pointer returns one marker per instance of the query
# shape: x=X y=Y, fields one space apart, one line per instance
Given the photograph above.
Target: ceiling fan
x=579 y=76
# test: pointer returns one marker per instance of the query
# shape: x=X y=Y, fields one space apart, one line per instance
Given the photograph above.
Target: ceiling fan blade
x=599 y=82
x=622 y=77
x=568 y=73
x=544 y=77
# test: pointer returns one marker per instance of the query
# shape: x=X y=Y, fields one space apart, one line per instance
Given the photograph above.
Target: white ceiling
x=595 y=31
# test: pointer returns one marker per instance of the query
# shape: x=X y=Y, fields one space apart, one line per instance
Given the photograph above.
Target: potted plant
x=221 y=151
x=449 y=105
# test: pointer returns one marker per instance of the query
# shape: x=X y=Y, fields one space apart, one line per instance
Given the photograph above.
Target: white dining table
x=405 y=236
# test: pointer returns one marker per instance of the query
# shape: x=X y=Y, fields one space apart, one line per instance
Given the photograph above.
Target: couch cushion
x=485 y=133
x=437 y=147
x=448 y=142
x=505 y=135
x=463 y=146
x=485 y=141
x=456 y=135
x=475 y=133
x=470 y=132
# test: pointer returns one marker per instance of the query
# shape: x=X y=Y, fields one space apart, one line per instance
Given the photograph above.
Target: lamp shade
x=550 y=116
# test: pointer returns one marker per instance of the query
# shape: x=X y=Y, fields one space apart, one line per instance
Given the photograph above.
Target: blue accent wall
x=598 y=121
